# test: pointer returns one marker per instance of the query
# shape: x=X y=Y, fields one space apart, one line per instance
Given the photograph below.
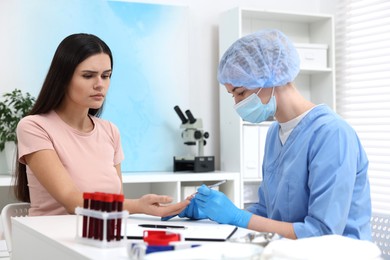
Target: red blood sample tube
x=119 y=198
x=108 y=200
x=87 y=201
x=98 y=197
x=92 y=220
x=113 y=222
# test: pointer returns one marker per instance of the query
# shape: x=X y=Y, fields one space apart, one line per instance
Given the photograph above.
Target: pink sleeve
x=119 y=156
x=31 y=138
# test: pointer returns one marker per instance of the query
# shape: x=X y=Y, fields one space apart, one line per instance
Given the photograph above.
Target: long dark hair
x=73 y=50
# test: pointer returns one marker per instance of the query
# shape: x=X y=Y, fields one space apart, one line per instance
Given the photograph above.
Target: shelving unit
x=173 y=184
x=136 y=184
x=242 y=143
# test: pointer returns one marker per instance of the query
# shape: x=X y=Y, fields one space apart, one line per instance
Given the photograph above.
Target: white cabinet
x=242 y=144
x=177 y=185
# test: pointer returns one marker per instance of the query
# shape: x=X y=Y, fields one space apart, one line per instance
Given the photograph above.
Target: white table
x=53 y=237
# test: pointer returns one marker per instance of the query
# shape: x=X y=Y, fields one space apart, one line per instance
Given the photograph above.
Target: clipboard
x=195 y=230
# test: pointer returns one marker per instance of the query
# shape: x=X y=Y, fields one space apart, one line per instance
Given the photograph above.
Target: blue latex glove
x=192 y=211
x=219 y=208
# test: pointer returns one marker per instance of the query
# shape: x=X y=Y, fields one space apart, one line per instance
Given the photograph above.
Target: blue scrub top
x=318 y=179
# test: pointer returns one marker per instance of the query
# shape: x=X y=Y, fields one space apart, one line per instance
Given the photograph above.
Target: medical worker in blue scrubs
x=314 y=169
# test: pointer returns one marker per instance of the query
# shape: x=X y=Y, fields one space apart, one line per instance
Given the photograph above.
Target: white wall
x=204 y=54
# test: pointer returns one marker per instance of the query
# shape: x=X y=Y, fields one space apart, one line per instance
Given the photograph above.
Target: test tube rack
x=103 y=241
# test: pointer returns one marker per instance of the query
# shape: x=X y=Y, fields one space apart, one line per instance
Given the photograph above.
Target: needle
x=216 y=184
x=210 y=186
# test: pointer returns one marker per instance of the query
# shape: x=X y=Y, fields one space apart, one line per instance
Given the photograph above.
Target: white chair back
x=380 y=228
x=19 y=209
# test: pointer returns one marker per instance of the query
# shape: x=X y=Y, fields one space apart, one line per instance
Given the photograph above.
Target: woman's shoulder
x=40 y=123
x=102 y=121
x=37 y=119
x=105 y=124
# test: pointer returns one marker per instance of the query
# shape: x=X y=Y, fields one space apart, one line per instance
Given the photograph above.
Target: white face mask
x=253 y=110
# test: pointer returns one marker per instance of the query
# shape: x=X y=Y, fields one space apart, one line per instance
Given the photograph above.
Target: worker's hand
x=216 y=206
x=192 y=211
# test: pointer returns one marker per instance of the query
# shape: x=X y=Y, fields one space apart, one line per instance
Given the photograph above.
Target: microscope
x=192 y=135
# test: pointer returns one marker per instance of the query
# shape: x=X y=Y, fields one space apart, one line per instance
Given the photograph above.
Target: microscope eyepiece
x=190 y=116
x=180 y=114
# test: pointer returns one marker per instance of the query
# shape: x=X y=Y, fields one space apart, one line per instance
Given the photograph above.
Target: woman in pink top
x=64 y=148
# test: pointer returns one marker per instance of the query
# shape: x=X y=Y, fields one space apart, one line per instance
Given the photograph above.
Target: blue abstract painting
x=150 y=76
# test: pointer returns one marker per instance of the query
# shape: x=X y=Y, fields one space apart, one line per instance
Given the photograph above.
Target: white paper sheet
x=195 y=230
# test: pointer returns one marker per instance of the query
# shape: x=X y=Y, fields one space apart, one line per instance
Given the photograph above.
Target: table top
x=59 y=234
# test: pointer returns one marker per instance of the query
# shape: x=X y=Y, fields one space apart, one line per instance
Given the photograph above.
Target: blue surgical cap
x=266 y=58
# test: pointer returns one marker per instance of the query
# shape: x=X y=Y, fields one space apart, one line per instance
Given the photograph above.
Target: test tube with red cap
x=92 y=220
x=108 y=202
x=87 y=204
x=118 y=202
x=98 y=229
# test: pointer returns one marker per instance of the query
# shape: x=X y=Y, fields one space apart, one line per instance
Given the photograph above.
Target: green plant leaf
x=13 y=107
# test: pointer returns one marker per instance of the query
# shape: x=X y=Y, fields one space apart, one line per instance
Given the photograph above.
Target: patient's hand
x=160 y=205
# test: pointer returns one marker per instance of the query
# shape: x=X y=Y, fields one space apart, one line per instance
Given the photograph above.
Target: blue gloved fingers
x=201 y=203
x=218 y=207
x=187 y=212
x=167 y=217
x=201 y=198
x=213 y=201
x=196 y=212
x=205 y=193
x=204 y=190
x=192 y=211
